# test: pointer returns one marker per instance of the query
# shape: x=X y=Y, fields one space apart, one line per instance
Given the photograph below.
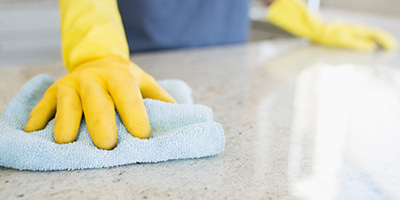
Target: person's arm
x=293 y=16
x=101 y=76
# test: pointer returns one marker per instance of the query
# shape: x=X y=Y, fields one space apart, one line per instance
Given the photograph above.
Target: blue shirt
x=165 y=24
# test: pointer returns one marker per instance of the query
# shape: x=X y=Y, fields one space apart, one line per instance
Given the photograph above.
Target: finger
x=357 y=30
x=68 y=116
x=153 y=91
x=385 y=40
x=149 y=87
x=130 y=107
x=43 y=111
x=360 y=44
x=99 y=112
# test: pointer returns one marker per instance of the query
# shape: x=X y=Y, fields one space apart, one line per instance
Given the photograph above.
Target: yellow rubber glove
x=101 y=76
x=292 y=16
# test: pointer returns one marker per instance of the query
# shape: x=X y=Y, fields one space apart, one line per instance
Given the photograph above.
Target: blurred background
x=31 y=27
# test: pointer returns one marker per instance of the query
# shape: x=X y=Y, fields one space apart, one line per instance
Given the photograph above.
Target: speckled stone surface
x=267 y=95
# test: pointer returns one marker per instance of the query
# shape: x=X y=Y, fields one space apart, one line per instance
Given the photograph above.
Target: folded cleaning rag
x=179 y=131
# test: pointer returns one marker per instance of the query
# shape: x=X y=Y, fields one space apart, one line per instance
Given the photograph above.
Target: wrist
x=91 y=29
x=116 y=62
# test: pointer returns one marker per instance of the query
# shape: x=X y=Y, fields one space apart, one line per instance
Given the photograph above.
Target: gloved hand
x=101 y=75
x=93 y=88
x=292 y=16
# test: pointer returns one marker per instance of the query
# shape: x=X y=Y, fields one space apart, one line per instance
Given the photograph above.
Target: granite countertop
x=301 y=122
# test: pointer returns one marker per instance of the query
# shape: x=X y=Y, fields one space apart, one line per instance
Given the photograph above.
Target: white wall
x=387 y=7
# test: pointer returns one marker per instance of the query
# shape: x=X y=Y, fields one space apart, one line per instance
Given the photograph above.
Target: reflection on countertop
x=342 y=126
x=301 y=122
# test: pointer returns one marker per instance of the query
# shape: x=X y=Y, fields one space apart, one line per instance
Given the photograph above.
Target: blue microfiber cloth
x=179 y=131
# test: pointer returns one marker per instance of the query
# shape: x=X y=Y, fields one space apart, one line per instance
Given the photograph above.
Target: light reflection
x=354 y=157
x=349 y=116
x=333 y=88
x=375 y=128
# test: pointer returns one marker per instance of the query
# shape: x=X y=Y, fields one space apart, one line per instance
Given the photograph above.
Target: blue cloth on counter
x=154 y=24
x=179 y=131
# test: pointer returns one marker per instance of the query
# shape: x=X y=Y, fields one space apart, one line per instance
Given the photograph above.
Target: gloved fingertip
x=389 y=46
x=104 y=135
x=28 y=129
x=139 y=127
x=106 y=144
x=154 y=91
x=385 y=40
x=64 y=135
x=60 y=140
x=143 y=135
x=173 y=101
x=168 y=98
x=31 y=127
